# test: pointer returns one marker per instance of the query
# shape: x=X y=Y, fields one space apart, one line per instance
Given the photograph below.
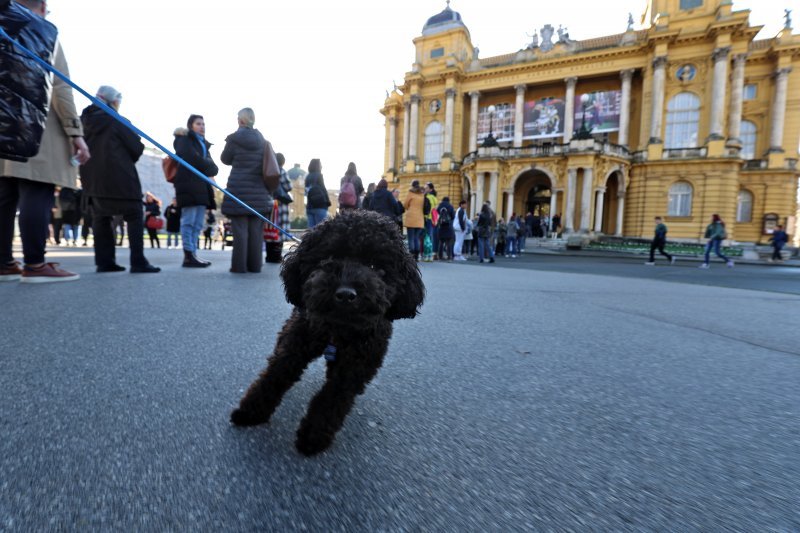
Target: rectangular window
x=750 y=91
x=691 y=4
x=437 y=52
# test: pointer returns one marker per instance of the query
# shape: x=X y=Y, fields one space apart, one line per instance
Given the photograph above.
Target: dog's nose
x=346 y=295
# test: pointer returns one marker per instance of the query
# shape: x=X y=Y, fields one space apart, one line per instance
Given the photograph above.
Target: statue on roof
x=630 y=21
x=534 y=39
x=547 y=38
x=563 y=34
x=787 y=14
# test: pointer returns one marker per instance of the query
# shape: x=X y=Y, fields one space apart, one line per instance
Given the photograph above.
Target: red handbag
x=155 y=223
x=271 y=233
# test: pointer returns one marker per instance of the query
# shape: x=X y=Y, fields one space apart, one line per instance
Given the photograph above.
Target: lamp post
x=583 y=133
x=490 y=140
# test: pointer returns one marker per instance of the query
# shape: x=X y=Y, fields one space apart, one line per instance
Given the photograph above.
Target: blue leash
x=125 y=122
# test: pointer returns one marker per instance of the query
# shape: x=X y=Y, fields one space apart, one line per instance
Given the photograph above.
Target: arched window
x=744 y=207
x=680 y=200
x=748 y=138
x=434 y=142
x=683 y=118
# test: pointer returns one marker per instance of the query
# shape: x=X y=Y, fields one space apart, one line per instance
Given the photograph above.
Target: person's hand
x=81 y=150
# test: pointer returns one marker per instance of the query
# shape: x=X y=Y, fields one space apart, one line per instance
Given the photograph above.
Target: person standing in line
x=244 y=152
x=111 y=184
x=86 y=214
x=381 y=200
x=351 y=176
x=398 y=215
x=484 y=226
x=70 y=214
x=512 y=248
x=173 y=215
x=715 y=233
x=462 y=229
x=365 y=203
x=501 y=232
x=429 y=208
x=446 y=232
x=57 y=217
x=29 y=187
x=779 y=239
x=414 y=218
x=317 y=199
x=152 y=210
x=275 y=249
x=659 y=241
x=555 y=224
x=194 y=195
x=208 y=230
x=522 y=233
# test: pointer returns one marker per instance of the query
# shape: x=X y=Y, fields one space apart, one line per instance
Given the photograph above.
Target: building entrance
x=534 y=190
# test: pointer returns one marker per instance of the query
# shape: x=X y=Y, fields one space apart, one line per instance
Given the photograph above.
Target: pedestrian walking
x=111 y=184
x=715 y=233
x=779 y=239
x=658 y=243
x=152 y=218
x=194 y=195
x=173 y=215
x=244 y=152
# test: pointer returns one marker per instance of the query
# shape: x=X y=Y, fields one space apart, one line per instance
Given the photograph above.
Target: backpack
x=444 y=216
x=347 y=196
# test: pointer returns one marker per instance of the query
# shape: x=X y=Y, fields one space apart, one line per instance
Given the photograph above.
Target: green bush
x=299 y=223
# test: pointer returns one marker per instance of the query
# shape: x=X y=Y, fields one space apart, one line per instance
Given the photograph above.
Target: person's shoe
x=672 y=260
x=11 y=272
x=146 y=269
x=190 y=261
x=85 y=243
x=729 y=264
x=491 y=259
x=47 y=273
x=704 y=265
x=111 y=268
x=481 y=261
x=650 y=263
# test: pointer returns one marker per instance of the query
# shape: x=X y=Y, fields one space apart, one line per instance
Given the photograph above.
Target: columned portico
x=406 y=128
x=479 y=191
x=473 y=120
x=509 y=204
x=625 y=110
x=569 y=216
x=718 y=91
x=569 y=109
x=414 y=128
x=519 y=109
x=620 y=212
x=779 y=110
x=493 y=178
x=392 y=144
x=737 y=100
x=598 y=210
x=657 y=111
x=586 y=199
x=553 y=205
x=448 y=122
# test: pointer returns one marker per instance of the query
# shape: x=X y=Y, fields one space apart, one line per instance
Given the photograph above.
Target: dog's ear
x=299 y=262
x=410 y=291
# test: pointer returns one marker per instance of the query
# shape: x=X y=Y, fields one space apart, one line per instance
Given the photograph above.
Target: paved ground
x=538 y=397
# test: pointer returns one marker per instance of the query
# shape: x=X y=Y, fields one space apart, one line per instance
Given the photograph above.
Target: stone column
x=479 y=192
x=569 y=109
x=472 y=203
x=657 y=112
x=448 y=122
x=598 y=211
x=569 y=216
x=392 y=144
x=718 y=92
x=406 y=128
x=586 y=199
x=553 y=206
x=473 y=120
x=737 y=95
x=625 y=110
x=519 y=111
x=413 y=133
x=620 y=213
x=493 y=178
x=779 y=110
x=510 y=206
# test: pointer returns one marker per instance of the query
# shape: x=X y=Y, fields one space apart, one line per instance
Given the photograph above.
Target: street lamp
x=584 y=133
x=490 y=140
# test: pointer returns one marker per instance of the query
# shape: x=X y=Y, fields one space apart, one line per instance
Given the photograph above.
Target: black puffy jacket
x=24 y=85
x=111 y=172
x=190 y=190
x=244 y=151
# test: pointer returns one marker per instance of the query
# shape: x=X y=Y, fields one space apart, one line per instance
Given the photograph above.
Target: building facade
x=688 y=117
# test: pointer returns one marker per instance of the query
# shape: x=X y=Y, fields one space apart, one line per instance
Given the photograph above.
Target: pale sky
x=314 y=71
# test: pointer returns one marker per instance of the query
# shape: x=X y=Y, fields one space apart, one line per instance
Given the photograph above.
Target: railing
x=685 y=153
x=429 y=167
x=791 y=164
x=546 y=150
x=639 y=157
x=755 y=164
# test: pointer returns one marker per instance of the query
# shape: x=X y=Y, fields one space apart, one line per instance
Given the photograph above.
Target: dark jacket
x=24 y=85
x=446 y=230
x=779 y=238
x=244 y=151
x=189 y=189
x=173 y=215
x=111 y=172
x=484 y=225
x=384 y=203
x=151 y=209
x=316 y=193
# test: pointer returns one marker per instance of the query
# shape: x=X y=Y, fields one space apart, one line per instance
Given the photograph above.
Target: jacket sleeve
x=130 y=141
x=62 y=101
x=227 y=154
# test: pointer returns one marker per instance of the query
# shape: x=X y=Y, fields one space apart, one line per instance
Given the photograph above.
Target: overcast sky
x=315 y=72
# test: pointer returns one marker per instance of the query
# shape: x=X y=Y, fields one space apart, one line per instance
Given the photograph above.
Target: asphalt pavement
x=536 y=394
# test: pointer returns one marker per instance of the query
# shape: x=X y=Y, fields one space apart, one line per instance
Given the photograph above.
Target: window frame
x=678 y=206
x=694 y=4
x=745 y=96
x=428 y=144
x=745 y=136
x=682 y=124
x=739 y=210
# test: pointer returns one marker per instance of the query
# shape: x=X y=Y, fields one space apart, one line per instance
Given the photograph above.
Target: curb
x=793 y=263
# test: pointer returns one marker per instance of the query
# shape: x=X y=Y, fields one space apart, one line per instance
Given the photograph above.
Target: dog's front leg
x=294 y=350
x=347 y=377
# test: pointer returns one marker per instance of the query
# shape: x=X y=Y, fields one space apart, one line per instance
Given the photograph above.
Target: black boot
x=189 y=260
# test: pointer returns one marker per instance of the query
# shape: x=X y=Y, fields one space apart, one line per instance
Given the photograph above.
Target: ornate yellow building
x=689 y=117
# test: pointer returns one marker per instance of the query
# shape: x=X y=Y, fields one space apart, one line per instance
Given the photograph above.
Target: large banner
x=502 y=124
x=543 y=119
x=602 y=111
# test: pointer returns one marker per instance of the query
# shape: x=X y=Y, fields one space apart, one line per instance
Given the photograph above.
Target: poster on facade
x=602 y=111
x=543 y=118
x=502 y=124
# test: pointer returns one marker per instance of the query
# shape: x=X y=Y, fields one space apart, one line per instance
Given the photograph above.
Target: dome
x=446 y=20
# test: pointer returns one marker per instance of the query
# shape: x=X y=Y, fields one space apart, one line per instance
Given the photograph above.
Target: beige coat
x=414 y=204
x=51 y=164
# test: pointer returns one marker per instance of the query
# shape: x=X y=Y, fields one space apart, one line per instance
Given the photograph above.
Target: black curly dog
x=349 y=279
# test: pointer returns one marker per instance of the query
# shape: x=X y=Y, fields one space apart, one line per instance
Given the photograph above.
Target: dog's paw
x=240 y=417
x=310 y=443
